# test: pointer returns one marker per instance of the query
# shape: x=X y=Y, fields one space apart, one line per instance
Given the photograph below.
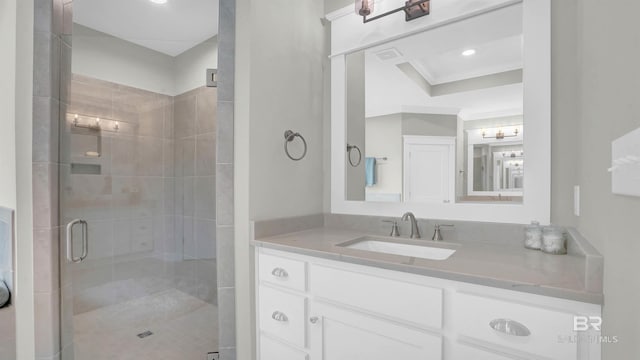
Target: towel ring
x=349 y=149
x=289 y=136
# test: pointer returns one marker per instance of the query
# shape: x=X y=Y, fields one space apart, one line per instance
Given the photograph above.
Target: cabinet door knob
x=280 y=272
x=279 y=316
x=313 y=319
x=509 y=327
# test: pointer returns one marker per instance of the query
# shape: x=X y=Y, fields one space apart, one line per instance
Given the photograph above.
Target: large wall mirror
x=441 y=116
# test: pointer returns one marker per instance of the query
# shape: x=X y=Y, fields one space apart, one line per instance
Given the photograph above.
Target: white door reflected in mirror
x=429 y=166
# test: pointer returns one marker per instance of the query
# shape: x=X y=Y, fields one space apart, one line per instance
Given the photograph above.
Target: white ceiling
x=437 y=56
x=170 y=28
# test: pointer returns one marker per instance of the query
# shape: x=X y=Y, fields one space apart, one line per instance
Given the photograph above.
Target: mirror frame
x=349 y=34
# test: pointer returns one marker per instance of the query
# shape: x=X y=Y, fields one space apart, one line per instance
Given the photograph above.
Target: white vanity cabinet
x=317 y=309
x=340 y=333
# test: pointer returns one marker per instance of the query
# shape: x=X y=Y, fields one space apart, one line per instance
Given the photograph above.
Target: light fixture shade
x=364 y=7
x=416 y=8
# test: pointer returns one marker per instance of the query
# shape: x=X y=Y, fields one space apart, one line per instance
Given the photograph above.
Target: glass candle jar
x=533 y=236
x=553 y=240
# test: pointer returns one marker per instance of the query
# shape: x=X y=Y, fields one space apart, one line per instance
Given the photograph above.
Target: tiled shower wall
x=195 y=143
x=225 y=236
x=127 y=194
x=149 y=197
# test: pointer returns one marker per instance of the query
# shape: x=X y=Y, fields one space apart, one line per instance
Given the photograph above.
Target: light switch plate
x=625 y=164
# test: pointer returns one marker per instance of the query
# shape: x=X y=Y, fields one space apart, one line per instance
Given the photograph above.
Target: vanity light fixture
x=499 y=135
x=413 y=9
x=160 y=2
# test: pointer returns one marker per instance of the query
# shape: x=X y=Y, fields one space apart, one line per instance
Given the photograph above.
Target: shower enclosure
x=137 y=203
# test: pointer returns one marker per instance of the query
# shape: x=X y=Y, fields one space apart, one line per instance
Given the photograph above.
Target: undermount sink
x=397 y=247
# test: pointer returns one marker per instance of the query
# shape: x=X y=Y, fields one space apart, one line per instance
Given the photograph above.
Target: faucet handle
x=394 y=229
x=437 y=235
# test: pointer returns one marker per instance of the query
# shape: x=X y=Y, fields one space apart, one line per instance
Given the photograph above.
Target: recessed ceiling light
x=159 y=1
x=469 y=52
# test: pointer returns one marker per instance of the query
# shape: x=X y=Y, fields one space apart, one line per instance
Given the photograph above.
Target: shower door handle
x=85 y=240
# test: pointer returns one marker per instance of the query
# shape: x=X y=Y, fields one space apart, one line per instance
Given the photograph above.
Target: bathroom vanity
x=428 y=116
x=318 y=298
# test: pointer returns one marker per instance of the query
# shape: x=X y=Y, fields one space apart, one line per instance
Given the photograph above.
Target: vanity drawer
x=282 y=315
x=406 y=301
x=473 y=315
x=274 y=350
x=468 y=352
x=282 y=271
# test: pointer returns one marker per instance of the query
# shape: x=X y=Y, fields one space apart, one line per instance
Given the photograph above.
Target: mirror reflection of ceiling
x=428 y=73
x=170 y=28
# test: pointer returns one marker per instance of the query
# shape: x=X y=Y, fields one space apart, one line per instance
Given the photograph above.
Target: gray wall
x=278 y=86
x=286 y=93
x=104 y=57
x=333 y=5
x=608 y=57
x=429 y=124
x=108 y=58
x=355 y=182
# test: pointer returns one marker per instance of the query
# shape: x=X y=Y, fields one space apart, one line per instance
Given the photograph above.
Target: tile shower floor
x=184 y=328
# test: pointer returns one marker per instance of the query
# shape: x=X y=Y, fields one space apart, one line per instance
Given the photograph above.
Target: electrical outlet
x=213 y=356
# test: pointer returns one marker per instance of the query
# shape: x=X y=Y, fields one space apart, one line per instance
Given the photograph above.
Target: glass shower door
x=136 y=188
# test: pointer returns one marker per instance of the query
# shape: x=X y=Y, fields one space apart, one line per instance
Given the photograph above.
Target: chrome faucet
x=415 y=232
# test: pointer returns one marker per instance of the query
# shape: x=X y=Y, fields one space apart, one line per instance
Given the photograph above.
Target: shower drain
x=143 y=335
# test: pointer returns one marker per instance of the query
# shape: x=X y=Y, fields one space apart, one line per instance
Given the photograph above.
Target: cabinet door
x=274 y=350
x=339 y=334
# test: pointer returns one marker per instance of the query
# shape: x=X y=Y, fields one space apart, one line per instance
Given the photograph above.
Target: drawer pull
x=279 y=316
x=280 y=272
x=509 y=327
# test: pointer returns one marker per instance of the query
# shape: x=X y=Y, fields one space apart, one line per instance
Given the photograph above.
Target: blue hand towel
x=370 y=171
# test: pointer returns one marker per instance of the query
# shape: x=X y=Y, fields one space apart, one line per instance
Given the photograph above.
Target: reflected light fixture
x=413 y=9
x=159 y=1
x=500 y=134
